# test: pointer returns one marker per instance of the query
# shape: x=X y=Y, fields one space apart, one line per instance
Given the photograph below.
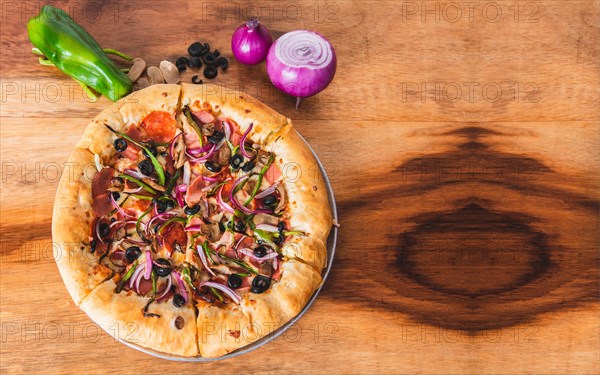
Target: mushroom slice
x=137 y=69
x=155 y=76
x=265 y=219
x=169 y=72
x=141 y=83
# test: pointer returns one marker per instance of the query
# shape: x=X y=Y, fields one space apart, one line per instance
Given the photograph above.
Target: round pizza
x=191 y=220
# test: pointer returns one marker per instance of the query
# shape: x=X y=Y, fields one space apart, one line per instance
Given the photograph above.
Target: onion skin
x=301 y=63
x=250 y=42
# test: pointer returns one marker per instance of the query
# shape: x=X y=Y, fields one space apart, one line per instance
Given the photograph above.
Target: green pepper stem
x=110 y=51
x=45 y=62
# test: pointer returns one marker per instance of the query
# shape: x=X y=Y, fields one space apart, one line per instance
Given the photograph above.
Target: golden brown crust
x=71 y=222
x=304 y=185
x=223 y=329
x=135 y=107
x=242 y=108
x=121 y=316
x=309 y=249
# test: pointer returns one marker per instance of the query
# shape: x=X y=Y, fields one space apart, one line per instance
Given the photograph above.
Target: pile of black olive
x=200 y=54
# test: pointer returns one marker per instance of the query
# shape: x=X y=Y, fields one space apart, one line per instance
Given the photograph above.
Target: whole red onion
x=301 y=63
x=250 y=42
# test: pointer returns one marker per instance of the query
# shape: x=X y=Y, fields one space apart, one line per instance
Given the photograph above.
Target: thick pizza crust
x=309 y=249
x=212 y=332
x=71 y=222
x=242 y=108
x=304 y=184
x=223 y=329
x=121 y=316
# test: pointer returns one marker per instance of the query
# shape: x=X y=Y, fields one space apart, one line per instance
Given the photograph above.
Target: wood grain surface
x=462 y=143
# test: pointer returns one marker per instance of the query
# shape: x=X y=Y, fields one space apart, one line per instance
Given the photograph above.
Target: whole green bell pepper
x=71 y=49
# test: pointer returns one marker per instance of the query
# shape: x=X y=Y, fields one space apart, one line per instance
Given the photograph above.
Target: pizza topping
x=205 y=207
x=162 y=267
x=178 y=300
x=234 y=281
x=120 y=144
x=260 y=284
x=132 y=253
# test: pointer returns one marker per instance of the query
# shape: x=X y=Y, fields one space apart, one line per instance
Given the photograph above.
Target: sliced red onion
x=98 y=230
x=267 y=227
x=243 y=141
x=187 y=173
x=210 y=179
x=210 y=187
x=193 y=228
x=166 y=290
x=139 y=270
x=172 y=147
x=203 y=259
x=233 y=295
x=134 y=191
x=203 y=158
x=221 y=203
x=148 y=270
x=250 y=42
x=234 y=201
x=182 y=289
x=121 y=210
x=227 y=130
x=134 y=173
x=160 y=217
x=179 y=190
x=268 y=191
x=301 y=63
x=142 y=243
x=200 y=150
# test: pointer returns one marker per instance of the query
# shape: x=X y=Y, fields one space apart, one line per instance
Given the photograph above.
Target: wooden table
x=462 y=142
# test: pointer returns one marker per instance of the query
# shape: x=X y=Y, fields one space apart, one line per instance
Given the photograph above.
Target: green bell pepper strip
x=260 y=178
x=125 y=278
x=76 y=53
x=193 y=124
x=137 y=224
x=157 y=167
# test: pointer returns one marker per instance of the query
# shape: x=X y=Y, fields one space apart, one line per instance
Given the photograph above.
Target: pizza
x=190 y=220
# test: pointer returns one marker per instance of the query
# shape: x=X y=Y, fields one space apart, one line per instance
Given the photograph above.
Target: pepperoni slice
x=175 y=235
x=160 y=126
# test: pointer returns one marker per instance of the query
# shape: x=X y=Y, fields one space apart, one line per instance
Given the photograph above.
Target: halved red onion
x=148 y=270
x=182 y=289
x=267 y=227
x=233 y=295
x=121 y=210
x=243 y=140
x=203 y=260
x=301 y=63
x=268 y=191
x=221 y=203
